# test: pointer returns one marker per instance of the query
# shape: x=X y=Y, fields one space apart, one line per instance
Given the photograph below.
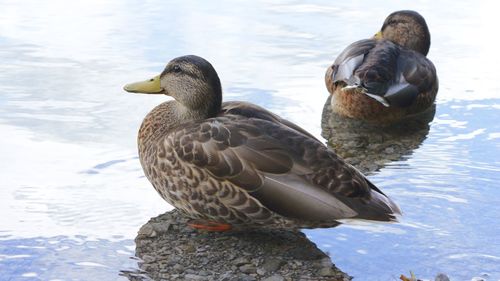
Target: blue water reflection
x=73 y=195
x=64 y=258
x=449 y=205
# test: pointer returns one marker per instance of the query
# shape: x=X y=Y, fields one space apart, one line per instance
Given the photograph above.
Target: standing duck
x=237 y=164
x=388 y=77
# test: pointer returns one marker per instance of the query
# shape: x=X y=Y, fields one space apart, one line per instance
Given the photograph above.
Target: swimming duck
x=236 y=164
x=387 y=77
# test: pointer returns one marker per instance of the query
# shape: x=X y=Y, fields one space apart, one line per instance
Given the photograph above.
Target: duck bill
x=151 y=86
x=378 y=35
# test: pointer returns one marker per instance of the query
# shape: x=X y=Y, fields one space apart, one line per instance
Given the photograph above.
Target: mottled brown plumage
x=388 y=77
x=240 y=164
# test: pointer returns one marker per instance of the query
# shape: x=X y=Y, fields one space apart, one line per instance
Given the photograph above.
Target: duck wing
x=415 y=75
x=349 y=60
x=287 y=171
x=251 y=110
x=386 y=72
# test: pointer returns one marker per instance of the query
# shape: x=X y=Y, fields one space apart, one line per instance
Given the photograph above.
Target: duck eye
x=176 y=68
x=394 y=22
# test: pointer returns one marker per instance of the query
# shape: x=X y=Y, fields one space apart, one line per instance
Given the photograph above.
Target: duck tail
x=378 y=207
x=386 y=209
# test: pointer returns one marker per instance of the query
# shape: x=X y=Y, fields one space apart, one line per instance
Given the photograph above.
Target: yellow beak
x=378 y=35
x=151 y=86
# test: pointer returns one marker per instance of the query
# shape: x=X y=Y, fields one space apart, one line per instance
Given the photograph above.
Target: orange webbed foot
x=209 y=225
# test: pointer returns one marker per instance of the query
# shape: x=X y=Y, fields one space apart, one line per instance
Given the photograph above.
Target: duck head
x=407 y=29
x=191 y=81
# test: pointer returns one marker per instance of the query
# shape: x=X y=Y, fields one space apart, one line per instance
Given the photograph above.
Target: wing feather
x=287 y=171
x=386 y=72
x=349 y=60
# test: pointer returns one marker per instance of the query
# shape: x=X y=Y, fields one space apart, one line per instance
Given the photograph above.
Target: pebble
x=246 y=278
x=190 y=271
x=178 y=268
x=261 y=271
x=147 y=230
x=275 y=277
x=326 y=271
x=248 y=268
x=326 y=262
x=161 y=228
x=389 y=150
x=203 y=273
x=189 y=248
x=241 y=261
x=194 y=277
x=271 y=265
x=148 y=258
x=226 y=276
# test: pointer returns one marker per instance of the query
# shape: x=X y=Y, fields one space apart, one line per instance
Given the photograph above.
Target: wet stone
x=147 y=231
x=246 y=278
x=261 y=271
x=326 y=271
x=203 y=273
x=148 y=258
x=248 y=268
x=183 y=254
x=241 y=261
x=189 y=248
x=190 y=271
x=194 y=277
x=271 y=265
x=275 y=277
x=442 y=277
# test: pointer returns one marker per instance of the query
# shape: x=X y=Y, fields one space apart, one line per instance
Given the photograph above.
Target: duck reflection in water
x=370 y=147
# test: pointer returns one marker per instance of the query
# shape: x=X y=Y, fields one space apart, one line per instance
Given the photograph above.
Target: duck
x=386 y=78
x=235 y=165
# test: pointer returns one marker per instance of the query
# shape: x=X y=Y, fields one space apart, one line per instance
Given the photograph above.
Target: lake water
x=73 y=195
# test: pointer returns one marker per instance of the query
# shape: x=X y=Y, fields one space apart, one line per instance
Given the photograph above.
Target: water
x=72 y=194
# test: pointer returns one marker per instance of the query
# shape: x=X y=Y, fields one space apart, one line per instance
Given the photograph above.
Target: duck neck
x=186 y=114
x=166 y=117
x=158 y=123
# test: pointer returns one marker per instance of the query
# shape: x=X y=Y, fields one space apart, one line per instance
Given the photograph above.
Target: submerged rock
x=442 y=277
x=370 y=147
x=178 y=252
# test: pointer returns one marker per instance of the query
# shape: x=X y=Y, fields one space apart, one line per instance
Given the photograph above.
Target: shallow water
x=73 y=195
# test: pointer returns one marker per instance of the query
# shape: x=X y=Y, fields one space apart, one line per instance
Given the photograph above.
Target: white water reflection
x=49 y=191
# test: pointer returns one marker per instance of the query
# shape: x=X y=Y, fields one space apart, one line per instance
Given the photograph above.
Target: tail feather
x=378 y=98
x=378 y=208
